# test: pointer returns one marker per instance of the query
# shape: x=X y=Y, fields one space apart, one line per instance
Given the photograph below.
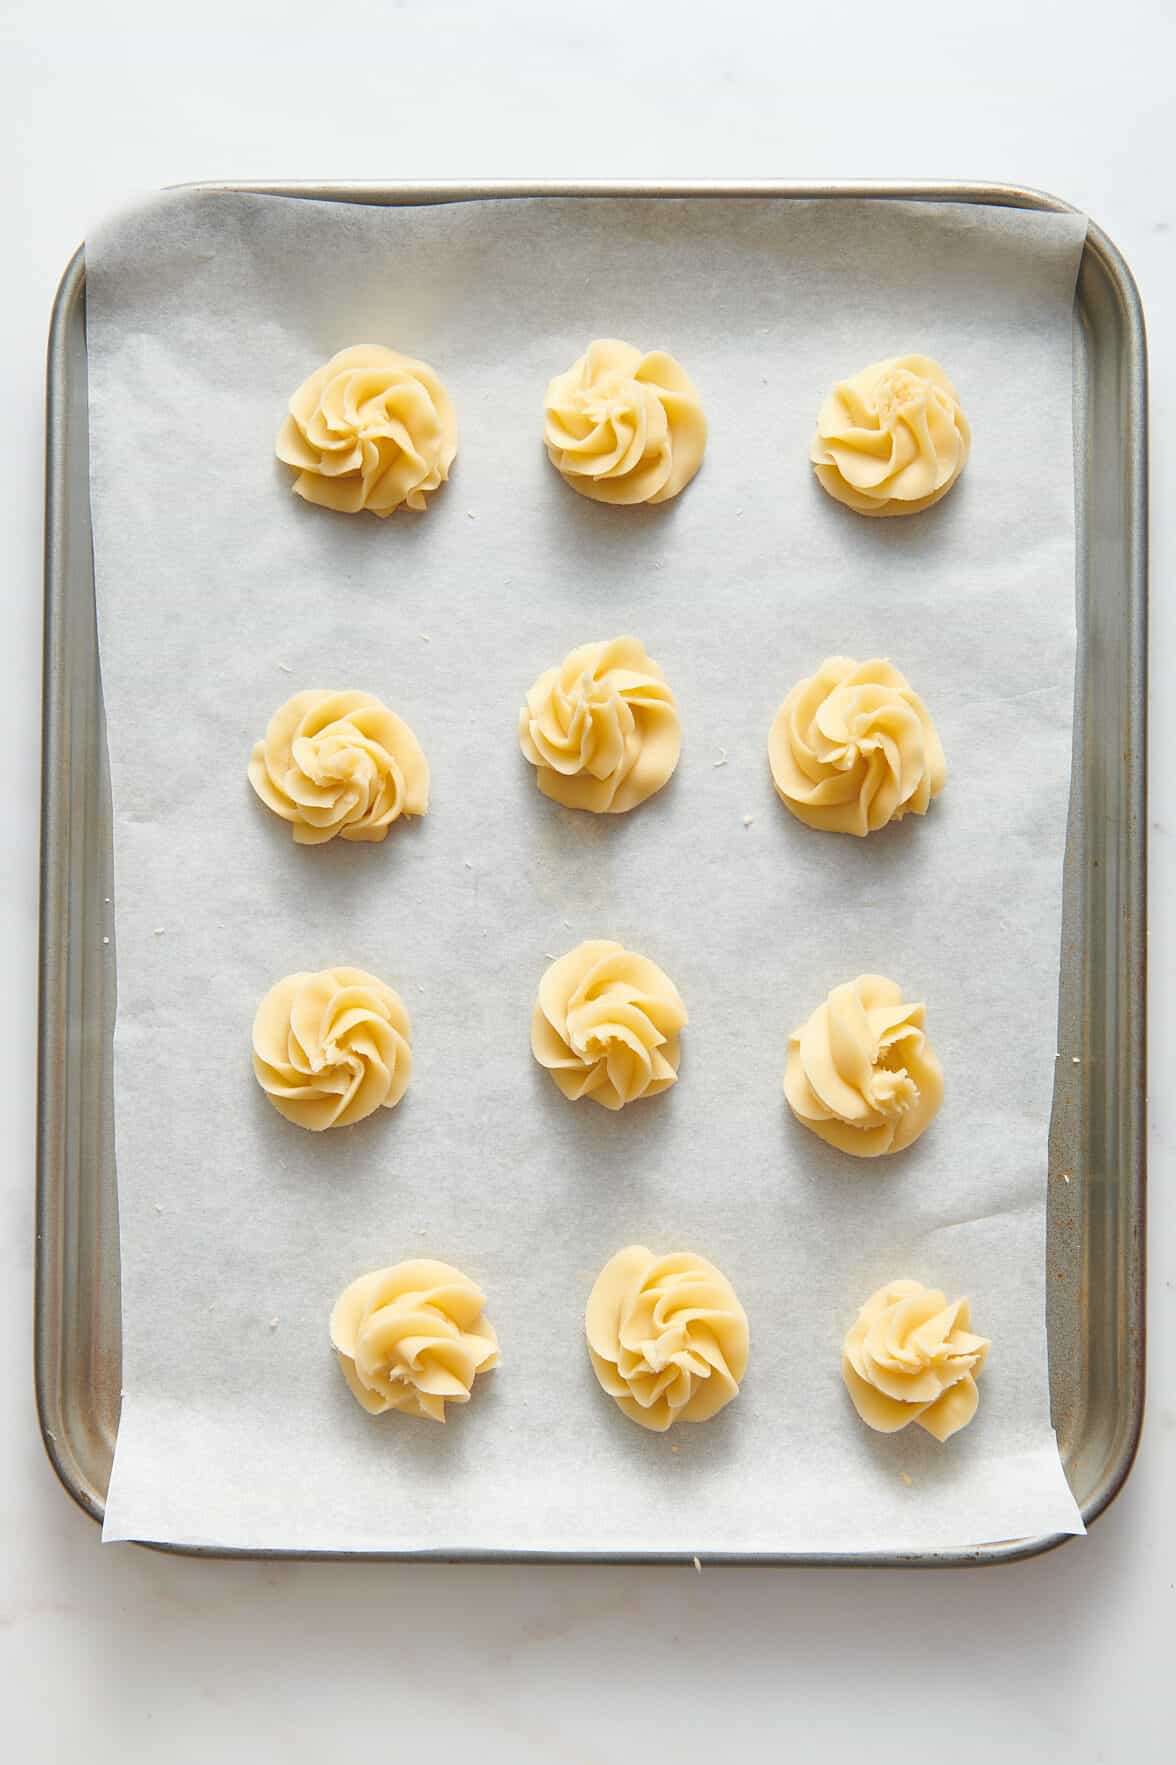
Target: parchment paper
x=219 y=594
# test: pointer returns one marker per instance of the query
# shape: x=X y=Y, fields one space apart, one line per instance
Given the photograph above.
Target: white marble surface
x=124 y=1655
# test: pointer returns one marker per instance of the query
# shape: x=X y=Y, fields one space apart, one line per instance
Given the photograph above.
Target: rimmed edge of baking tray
x=1098 y=1133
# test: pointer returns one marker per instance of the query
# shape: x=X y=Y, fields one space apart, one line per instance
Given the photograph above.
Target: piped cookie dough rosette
x=339 y=763
x=910 y=1356
x=371 y=429
x=601 y=729
x=623 y=427
x=860 y=1071
x=667 y=1337
x=413 y=1338
x=606 y=1025
x=892 y=439
x=331 y=1048
x=853 y=747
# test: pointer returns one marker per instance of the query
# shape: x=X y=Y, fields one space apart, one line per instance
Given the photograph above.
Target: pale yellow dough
x=892 y=439
x=860 y=1072
x=622 y=427
x=330 y=1048
x=371 y=429
x=666 y=1336
x=602 y=728
x=339 y=763
x=911 y=1357
x=606 y=1025
x=413 y=1338
x=853 y=748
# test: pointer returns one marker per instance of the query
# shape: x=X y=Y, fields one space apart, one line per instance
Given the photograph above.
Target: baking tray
x=1097 y=1148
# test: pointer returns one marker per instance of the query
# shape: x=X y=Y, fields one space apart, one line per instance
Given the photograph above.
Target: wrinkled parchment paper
x=219 y=594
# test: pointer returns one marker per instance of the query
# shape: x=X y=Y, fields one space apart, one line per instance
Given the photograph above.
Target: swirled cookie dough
x=606 y=1025
x=622 y=427
x=413 y=1338
x=892 y=439
x=339 y=763
x=330 y=1048
x=860 y=1072
x=666 y=1336
x=370 y=429
x=910 y=1356
x=853 y=747
x=601 y=729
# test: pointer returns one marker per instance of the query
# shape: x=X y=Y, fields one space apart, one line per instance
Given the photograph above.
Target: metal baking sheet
x=1095 y=1236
